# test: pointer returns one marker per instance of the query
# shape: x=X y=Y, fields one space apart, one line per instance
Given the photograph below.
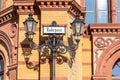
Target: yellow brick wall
x=9 y=3
x=23 y=71
x=86 y=58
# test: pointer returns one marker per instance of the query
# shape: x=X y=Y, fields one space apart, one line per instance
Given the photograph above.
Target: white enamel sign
x=54 y=30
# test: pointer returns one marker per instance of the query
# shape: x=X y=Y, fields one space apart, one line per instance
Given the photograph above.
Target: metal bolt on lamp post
x=54 y=44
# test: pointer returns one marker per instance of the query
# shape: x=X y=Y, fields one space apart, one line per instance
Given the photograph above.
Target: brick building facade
x=95 y=58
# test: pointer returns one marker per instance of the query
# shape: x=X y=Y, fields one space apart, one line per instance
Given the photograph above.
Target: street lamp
x=54 y=44
x=77 y=27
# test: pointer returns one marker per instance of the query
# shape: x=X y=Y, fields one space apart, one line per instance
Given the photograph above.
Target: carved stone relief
x=13 y=30
x=99 y=45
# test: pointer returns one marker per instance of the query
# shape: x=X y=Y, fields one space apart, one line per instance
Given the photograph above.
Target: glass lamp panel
x=26 y=27
x=73 y=28
x=78 y=30
x=30 y=26
x=34 y=26
x=81 y=28
x=102 y=4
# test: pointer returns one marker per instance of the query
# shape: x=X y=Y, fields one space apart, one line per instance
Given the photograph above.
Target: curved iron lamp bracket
x=53 y=43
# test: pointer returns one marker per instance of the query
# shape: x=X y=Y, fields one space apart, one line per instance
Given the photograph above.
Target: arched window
x=116 y=70
x=96 y=11
x=1 y=68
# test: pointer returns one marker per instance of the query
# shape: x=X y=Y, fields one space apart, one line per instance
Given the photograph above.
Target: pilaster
x=114 y=11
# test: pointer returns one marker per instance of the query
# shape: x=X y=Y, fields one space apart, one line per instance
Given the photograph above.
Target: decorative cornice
x=101 y=29
x=32 y=6
x=67 y=5
x=54 y=4
x=7 y=14
x=24 y=6
x=75 y=8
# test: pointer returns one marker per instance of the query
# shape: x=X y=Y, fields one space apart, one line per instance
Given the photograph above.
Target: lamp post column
x=53 y=55
x=53 y=65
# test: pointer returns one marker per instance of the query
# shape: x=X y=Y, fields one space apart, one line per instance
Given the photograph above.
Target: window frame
x=96 y=12
x=118 y=11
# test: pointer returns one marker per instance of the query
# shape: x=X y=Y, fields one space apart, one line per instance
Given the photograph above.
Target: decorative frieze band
x=102 y=29
x=52 y=4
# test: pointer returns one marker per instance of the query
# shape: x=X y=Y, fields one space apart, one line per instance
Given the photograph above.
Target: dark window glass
x=116 y=69
x=1 y=68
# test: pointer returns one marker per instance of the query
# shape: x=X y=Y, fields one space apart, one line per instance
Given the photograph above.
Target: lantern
x=77 y=26
x=30 y=25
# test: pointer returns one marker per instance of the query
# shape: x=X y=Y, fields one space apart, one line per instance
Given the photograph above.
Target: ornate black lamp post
x=54 y=45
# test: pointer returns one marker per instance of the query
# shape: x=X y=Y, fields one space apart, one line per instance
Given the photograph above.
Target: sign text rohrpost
x=54 y=30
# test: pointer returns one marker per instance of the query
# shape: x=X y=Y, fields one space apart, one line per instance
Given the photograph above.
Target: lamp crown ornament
x=54 y=23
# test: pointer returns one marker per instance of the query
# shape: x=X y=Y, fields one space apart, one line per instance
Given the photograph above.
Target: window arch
x=1 y=68
x=107 y=61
